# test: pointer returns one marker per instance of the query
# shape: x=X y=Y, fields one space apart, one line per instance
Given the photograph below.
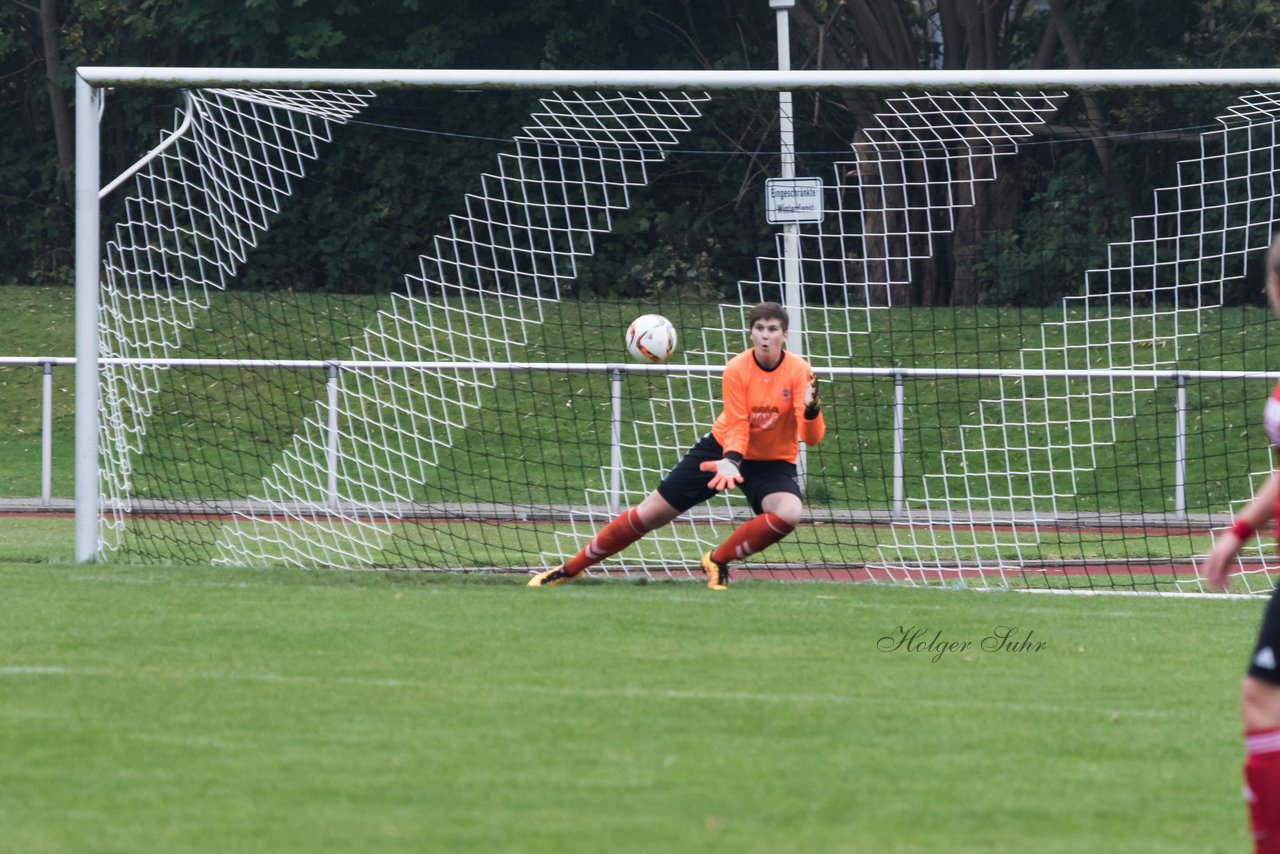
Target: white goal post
x=997 y=526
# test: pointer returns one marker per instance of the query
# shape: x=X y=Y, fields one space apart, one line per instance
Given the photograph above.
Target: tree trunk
x=61 y=116
x=911 y=260
x=1075 y=58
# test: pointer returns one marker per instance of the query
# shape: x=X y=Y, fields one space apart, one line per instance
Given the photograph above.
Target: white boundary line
x=630 y=692
x=830 y=699
x=1154 y=594
x=209 y=675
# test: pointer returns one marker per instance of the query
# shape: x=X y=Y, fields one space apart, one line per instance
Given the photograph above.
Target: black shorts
x=1263 y=663
x=686 y=485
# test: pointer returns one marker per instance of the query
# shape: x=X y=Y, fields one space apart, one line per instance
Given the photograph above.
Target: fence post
x=615 y=440
x=899 y=422
x=1180 y=451
x=46 y=436
x=331 y=456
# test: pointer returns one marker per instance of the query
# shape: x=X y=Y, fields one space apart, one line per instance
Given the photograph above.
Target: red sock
x=1262 y=788
x=750 y=537
x=613 y=538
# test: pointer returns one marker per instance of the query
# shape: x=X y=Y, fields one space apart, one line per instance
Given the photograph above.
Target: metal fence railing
x=898 y=375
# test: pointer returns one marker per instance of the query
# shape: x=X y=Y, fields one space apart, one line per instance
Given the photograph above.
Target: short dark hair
x=768 y=311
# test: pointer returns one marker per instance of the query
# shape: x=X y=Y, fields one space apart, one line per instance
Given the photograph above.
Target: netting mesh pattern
x=1016 y=466
x=194 y=213
x=473 y=299
x=909 y=174
x=1007 y=482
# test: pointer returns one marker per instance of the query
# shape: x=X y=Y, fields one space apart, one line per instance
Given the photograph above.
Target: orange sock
x=613 y=538
x=1262 y=788
x=751 y=537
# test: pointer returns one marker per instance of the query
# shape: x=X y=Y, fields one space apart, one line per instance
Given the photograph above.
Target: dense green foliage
x=359 y=221
x=372 y=199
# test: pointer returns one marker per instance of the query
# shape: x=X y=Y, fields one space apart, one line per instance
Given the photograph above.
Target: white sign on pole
x=789 y=200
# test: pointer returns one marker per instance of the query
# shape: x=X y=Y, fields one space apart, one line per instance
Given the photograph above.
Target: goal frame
x=91 y=82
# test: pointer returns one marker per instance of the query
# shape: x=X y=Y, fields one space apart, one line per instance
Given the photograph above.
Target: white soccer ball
x=651 y=337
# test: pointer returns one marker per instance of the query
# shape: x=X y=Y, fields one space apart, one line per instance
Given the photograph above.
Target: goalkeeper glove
x=812 y=402
x=726 y=471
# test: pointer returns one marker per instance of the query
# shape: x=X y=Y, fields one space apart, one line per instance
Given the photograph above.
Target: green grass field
x=202 y=709
x=193 y=708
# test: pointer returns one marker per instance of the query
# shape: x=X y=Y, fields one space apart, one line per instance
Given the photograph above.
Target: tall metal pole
x=791 y=297
x=87 y=271
x=790 y=231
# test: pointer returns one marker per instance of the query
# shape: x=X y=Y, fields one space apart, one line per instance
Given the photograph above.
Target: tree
x=46 y=15
x=41 y=43
x=977 y=34
x=37 y=34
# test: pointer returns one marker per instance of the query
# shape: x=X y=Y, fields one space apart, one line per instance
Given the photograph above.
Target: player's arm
x=737 y=412
x=726 y=472
x=1221 y=561
x=812 y=425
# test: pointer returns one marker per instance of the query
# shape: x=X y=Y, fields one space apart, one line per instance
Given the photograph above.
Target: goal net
x=1041 y=342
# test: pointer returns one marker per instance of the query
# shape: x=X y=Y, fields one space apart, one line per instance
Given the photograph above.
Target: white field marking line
x=113 y=579
x=215 y=676
x=718 y=598
x=831 y=699
x=38 y=715
x=125 y=579
x=1150 y=594
x=257 y=740
x=1091 y=614
x=901 y=606
x=880 y=606
x=821 y=600
x=672 y=694
x=47 y=670
x=181 y=740
x=210 y=675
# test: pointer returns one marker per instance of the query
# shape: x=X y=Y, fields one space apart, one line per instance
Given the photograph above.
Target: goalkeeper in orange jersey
x=770 y=405
x=1260 y=689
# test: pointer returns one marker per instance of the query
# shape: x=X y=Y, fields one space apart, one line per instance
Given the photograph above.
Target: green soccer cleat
x=717 y=573
x=552 y=577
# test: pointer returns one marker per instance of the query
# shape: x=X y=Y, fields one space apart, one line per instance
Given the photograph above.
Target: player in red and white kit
x=1260 y=690
x=770 y=405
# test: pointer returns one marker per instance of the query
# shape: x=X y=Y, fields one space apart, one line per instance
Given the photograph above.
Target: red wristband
x=1243 y=530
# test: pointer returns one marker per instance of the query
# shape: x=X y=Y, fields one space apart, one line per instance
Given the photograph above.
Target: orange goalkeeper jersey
x=763 y=415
